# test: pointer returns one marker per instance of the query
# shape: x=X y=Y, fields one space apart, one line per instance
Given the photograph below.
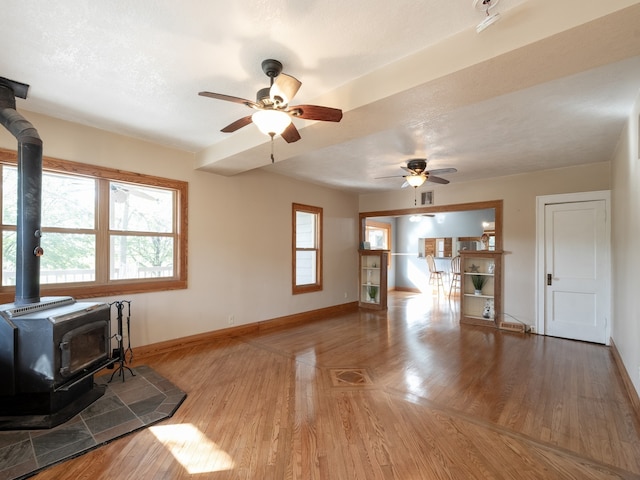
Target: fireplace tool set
x=120 y=353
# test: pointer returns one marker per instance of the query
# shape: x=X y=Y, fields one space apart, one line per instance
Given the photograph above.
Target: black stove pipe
x=28 y=248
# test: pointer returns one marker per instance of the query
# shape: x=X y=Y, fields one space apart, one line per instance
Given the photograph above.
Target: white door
x=576 y=271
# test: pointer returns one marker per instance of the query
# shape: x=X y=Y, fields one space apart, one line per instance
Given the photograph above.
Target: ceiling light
x=271 y=122
x=485 y=6
x=487 y=22
x=416 y=180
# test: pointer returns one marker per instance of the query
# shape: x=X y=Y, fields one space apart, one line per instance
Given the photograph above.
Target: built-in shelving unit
x=373 y=278
x=481 y=306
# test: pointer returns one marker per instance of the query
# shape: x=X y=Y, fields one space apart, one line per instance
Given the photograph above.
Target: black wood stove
x=50 y=348
x=49 y=353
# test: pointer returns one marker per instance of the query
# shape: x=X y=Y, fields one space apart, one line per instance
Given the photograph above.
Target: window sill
x=84 y=291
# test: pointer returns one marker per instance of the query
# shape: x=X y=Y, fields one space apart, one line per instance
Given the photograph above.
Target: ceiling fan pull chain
x=273 y=160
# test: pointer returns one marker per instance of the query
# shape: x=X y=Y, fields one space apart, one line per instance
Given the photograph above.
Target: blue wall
x=410 y=271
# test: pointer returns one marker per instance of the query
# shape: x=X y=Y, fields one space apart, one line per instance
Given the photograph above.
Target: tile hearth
x=126 y=406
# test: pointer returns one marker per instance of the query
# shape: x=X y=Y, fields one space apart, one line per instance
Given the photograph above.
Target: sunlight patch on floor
x=414 y=383
x=189 y=446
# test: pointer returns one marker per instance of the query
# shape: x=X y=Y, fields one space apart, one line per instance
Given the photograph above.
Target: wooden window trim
x=314 y=287
x=388 y=229
x=114 y=287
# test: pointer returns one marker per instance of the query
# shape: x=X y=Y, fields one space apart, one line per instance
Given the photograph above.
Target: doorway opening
x=433 y=230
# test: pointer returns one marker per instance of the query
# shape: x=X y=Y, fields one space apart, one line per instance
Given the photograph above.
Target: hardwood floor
x=403 y=394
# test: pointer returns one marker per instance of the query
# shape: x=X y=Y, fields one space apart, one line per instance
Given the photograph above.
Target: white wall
x=626 y=255
x=518 y=193
x=239 y=252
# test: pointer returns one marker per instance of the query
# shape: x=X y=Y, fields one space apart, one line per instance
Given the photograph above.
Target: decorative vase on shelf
x=373 y=292
x=478 y=282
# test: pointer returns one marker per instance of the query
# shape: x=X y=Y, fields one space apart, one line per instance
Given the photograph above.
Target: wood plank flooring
x=403 y=394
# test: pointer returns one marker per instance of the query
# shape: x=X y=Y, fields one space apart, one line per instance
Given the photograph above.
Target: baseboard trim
x=626 y=380
x=408 y=289
x=261 y=326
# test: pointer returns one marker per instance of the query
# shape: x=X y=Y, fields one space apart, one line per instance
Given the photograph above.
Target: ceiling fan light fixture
x=485 y=6
x=415 y=180
x=487 y=22
x=271 y=122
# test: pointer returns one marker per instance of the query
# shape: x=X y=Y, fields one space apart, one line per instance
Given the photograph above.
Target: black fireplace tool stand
x=121 y=367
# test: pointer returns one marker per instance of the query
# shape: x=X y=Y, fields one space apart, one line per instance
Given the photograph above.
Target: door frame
x=540 y=284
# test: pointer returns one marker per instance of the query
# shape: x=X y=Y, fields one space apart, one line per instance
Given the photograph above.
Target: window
x=105 y=232
x=307 y=248
x=378 y=234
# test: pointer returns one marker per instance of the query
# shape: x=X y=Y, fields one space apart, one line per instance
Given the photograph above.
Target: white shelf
x=373 y=275
x=489 y=266
x=475 y=317
x=478 y=296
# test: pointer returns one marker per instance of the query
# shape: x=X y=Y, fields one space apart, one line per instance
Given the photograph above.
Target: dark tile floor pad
x=126 y=406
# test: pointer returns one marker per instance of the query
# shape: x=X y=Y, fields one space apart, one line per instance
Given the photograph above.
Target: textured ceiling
x=548 y=85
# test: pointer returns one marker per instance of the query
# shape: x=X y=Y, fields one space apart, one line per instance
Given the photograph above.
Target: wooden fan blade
x=290 y=133
x=316 y=112
x=433 y=179
x=390 y=176
x=440 y=171
x=238 y=124
x=229 y=98
x=284 y=88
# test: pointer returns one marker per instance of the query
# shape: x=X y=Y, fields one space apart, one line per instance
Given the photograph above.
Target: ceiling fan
x=418 y=174
x=273 y=113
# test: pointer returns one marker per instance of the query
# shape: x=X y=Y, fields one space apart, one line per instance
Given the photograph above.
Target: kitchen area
x=442 y=234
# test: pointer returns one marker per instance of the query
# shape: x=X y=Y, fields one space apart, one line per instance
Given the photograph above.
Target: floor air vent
x=512 y=327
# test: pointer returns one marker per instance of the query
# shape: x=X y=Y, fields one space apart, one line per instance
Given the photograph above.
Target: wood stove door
x=83 y=347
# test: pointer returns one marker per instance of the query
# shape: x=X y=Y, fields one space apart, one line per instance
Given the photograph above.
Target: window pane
x=140 y=209
x=68 y=257
x=305 y=230
x=8 y=258
x=305 y=267
x=377 y=237
x=9 y=195
x=68 y=201
x=141 y=257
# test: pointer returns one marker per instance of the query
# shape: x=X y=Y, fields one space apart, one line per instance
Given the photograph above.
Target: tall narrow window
x=307 y=248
